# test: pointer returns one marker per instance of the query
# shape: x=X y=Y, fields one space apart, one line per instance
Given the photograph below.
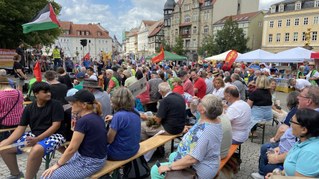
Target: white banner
x=138 y=87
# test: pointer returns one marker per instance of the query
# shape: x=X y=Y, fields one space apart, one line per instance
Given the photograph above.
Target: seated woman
x=303 y=159
x=278 y=112
x=292 y=104
x=219 y=87
x=86 y=153
x=200 y=146
x=124 y=134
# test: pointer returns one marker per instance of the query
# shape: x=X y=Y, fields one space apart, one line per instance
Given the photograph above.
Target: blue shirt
x=94 y=142
x=287 y=140
x=127 y=125
x=303 y=158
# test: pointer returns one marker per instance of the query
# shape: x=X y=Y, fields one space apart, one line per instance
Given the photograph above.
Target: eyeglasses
x=293 y=122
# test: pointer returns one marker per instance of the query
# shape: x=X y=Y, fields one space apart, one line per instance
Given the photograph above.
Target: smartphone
x=158 y=164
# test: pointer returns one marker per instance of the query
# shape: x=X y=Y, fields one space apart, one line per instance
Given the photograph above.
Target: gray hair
x=292 y=100
x=237 y=70
x=235 y=76
x=213 y=106
x=313 y=94
x=164 y=87
x=109 y=71
x=3 y=72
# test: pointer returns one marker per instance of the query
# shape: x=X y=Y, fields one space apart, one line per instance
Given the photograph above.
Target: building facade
x=97 y=37
x=193 y=20
x=156 y=36
x=252 y=25
x=142 y=37
x=288 y=23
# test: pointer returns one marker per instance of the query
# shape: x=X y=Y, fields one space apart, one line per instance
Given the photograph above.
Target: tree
x=14 y=13
x=230 y=37
x=178 y=47
x=208 y=47
x=166 y=46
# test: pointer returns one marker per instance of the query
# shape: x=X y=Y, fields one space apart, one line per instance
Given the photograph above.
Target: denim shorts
x=49 y=144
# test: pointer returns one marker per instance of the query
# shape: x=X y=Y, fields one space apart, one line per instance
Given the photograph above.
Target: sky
x=117 y=16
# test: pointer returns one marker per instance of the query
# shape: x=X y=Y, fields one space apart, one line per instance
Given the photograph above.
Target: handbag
x=3 y=117
x=187 y=173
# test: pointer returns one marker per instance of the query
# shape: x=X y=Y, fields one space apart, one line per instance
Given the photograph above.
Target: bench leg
x=263 y=137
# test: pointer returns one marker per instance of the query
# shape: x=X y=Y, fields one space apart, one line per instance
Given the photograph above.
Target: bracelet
x=59 y=165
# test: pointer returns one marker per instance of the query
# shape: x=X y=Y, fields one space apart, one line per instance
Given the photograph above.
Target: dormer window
x=273 y=9
x=298 y=5
x=281 y=8
x=316 y=3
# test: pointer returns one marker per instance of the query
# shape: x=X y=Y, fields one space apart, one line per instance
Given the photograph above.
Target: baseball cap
x=80 y=75
x=83 y=96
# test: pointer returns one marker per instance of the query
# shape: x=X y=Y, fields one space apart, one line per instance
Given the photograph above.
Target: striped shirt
x=8 y=98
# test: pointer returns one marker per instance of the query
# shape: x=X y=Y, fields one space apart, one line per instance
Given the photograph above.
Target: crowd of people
x=96 y=111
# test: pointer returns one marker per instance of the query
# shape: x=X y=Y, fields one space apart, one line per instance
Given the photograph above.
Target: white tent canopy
x=220 y=57
x=256 y=55
x=294 y=55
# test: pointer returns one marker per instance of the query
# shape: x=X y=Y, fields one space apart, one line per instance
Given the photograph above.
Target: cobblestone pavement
x=249 y=152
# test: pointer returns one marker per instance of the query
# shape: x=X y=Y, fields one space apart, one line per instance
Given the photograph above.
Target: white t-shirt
x=301 y=84
x=219 y=92
x=239 y=114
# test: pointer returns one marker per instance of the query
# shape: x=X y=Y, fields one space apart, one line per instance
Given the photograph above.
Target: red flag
x=159 y=57
x=315 y=55
x=37 y=72
x=87 y=56
x=230 y=58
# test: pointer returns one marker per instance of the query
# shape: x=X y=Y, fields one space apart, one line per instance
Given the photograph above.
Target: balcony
x=186 y=35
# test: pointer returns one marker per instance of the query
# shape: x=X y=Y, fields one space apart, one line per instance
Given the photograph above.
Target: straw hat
x=312 y=64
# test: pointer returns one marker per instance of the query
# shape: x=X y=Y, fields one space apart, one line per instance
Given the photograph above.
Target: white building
x=97 y=37
x=142 y=37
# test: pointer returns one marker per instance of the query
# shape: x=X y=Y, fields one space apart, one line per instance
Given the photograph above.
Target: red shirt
x=8 y=98
x=179 y=89
x=189 y=87
x=201 y=86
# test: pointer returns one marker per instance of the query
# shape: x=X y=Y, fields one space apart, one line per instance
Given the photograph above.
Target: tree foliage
x=207 y=47
x=230 y=37
x=165 y=45
x=178 y=47
x=14 y=13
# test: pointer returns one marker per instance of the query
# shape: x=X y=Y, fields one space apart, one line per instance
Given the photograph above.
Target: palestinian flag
x=46 y=19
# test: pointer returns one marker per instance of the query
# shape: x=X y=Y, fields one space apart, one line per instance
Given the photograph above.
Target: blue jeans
x=264 y=166
x=57 y=63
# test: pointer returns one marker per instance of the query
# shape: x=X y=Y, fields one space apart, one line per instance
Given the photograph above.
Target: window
x=316 y=20
x=295 y=36
x=176 y=31
x=206 y=29
x=187 y=18
x=207 y=3
x=305 y=21
x=195 y=17
x=270 y=38
x=314 y=36
x=271 y=24
x=278 y=37
x=316 y=3
x=297 y=21
x=298 y=6
x=194 y=30
x=288 y=22
x=206 y=15
x=279 y=23
x=260 y=24
x=281 y=8
x=303 y=36
x=286 y=37
x=187 y=7
x=273 y=9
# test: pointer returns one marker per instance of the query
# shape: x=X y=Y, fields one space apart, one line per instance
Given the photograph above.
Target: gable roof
x=238 y=18
x=148 y=22
x=157 y=27
x=95 y=30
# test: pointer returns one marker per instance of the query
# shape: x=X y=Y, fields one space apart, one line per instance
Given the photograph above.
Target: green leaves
x=14 y=13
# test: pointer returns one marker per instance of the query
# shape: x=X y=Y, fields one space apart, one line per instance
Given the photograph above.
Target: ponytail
x=97 y=107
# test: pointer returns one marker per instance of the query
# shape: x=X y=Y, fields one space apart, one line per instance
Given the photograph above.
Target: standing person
x=209 y=82
x=10 y=107
x=86 y=153
x=113 y=83
x=44 y=117
x=20 y=52
x=199 y=85
x=187 y=84
x=56 y=58
x=260 y=102
x=91 y=74
x=124 y=134
x=19 y=72
x=313 y=74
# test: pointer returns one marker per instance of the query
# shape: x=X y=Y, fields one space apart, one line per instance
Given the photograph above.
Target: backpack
x=138 y=168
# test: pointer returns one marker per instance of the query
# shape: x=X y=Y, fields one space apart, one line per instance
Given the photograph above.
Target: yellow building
x=251 y=23
x=287 y=23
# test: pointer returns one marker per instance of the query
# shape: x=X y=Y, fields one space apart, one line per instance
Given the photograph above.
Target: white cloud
x=265 y=4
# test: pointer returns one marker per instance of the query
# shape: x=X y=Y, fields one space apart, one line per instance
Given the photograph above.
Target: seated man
x=44 y=117
x=171 y=113
x=239 y=113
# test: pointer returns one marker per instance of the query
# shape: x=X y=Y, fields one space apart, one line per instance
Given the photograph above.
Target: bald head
x=232 y=91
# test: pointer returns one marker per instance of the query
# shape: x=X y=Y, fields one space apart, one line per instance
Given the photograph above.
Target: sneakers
x=257 y=176
x=20 y=176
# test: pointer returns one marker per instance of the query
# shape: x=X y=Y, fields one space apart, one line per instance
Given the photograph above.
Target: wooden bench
x=145 y=146
x=233 y=148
